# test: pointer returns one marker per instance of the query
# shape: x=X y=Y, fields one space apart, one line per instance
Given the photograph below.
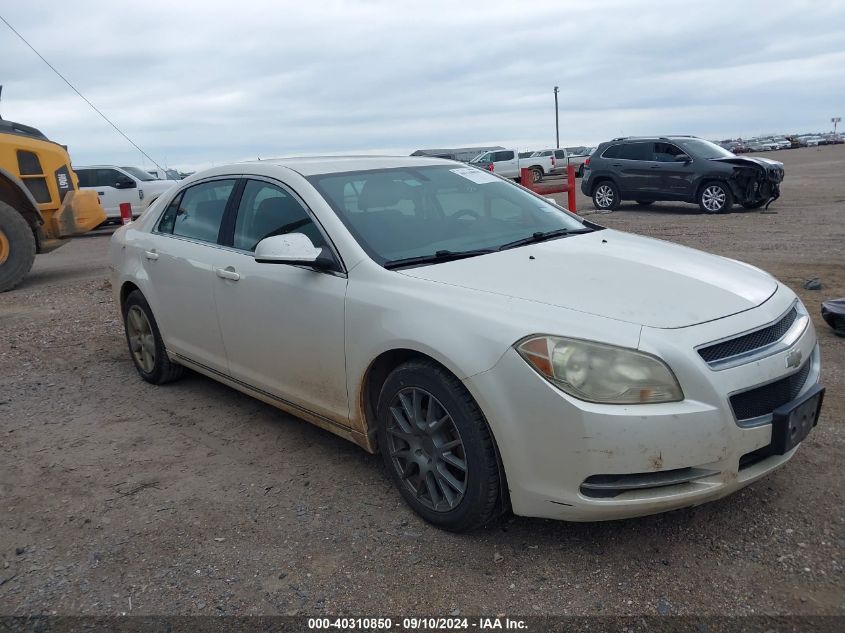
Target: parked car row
x=771 y=143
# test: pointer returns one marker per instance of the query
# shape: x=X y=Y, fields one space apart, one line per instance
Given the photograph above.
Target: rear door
x=639 y=176
x=283 y=325
x=505 y=163
x=178 y=258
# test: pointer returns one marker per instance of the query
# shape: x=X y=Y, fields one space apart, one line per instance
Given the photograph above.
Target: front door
x=283 y=325
x=677 y=177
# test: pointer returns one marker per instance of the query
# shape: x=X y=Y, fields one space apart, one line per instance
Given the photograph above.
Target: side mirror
x=125 y=184
x=293 y=248
x=683 y=158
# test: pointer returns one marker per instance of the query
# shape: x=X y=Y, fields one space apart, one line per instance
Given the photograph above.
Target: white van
x=115 y=185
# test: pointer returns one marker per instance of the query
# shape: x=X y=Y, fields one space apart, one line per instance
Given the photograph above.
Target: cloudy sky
x=197 y=83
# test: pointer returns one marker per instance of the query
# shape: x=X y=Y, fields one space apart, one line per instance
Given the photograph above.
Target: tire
x=645 y=203
x=17 y=247
x=144 y=340
x=606 y=196
x=415 y=458
x=538 y=173
x=715 y=197
x=754 y=205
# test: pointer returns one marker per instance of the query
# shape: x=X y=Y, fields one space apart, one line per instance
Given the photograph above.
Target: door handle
x=151 y=255
x=227 y=273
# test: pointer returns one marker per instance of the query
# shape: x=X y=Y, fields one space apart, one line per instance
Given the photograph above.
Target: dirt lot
x=117 y=496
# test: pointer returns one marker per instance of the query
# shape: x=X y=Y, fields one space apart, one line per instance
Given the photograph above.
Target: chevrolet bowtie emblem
x=793 y=359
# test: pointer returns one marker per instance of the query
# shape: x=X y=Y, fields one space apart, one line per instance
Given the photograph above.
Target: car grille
x=749 y=342
x=761 y=401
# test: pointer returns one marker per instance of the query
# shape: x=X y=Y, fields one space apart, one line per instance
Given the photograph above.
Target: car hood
x=745 y=160
x=616 y=275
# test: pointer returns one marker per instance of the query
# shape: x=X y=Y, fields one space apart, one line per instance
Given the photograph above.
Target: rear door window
x=86 y=177
x=506 y=155
x=197 y=212
x=637 y=151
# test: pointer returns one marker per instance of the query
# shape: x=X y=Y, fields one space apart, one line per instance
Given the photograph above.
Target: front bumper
x=552 y=445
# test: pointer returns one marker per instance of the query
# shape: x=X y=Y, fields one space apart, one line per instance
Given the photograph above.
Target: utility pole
x=557 y=126
x=835 y=120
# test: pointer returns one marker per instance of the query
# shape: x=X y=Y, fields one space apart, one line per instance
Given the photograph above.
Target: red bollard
x=490 y=167
x=570 y=187
x=526 y=178
x=125 y=212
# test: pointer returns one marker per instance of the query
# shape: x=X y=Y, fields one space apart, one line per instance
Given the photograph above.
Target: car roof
x=314 y=165
x=639 y=139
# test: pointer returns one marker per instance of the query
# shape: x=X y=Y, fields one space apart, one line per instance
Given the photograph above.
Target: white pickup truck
x=115 y=184
x=574 y=156
x=508 y=163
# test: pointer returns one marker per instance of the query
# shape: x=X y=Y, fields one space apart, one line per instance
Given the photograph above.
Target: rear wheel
x=17 y=247
x=538 y=173
x=715 y=197
x=437 y=447
x=606 y=196
x=146 y=346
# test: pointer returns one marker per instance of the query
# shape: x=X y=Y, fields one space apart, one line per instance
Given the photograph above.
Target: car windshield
x=138 y=173
x=704 y=149
x=417 y=212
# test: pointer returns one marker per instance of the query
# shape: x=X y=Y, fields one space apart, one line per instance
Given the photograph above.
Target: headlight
x=601 y=373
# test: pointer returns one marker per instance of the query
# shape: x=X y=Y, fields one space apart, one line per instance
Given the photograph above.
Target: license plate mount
x=792 y=422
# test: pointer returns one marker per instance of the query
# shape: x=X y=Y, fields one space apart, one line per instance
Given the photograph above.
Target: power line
x=72 y=87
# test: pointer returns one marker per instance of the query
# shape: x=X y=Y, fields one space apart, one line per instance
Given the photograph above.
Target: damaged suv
x=679 y=168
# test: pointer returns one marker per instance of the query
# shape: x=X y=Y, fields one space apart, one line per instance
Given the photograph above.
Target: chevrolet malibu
x=497 y=350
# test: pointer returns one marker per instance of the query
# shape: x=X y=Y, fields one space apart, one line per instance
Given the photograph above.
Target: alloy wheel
x=141 y=338
x=426 y=449
x=713 y=198
x=604 y=196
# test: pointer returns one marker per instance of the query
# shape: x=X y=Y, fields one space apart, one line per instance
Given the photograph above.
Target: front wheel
x=606 y=196
x=145 y=343
x=715 y=197
x=437 y=447
x=17 y=247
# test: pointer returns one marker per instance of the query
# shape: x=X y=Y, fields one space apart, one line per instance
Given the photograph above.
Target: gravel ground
x=117 y=496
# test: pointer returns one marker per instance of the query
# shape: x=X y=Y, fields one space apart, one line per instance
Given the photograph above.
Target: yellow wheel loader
x=41 y=205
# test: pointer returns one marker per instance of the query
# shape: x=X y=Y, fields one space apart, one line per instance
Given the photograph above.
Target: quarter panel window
x=198 y=211
x=266 y=210
x=614 y=151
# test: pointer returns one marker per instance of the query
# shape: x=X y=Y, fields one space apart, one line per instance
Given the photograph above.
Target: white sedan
x=499 y=351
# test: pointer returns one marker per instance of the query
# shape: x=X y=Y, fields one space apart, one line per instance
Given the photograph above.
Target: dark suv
x=680 y=168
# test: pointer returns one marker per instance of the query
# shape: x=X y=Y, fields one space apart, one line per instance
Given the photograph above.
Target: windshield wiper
x=436 y=258
x=542 y=236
